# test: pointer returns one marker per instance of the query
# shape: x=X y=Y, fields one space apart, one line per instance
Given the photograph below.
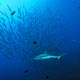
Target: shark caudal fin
x=60 y=57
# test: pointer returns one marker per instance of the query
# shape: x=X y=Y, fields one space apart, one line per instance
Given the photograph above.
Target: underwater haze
x=39 y=39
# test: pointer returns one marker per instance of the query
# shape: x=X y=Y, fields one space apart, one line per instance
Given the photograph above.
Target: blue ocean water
x=28 y=28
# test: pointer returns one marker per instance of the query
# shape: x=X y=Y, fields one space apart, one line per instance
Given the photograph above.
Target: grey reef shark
x=45 y=56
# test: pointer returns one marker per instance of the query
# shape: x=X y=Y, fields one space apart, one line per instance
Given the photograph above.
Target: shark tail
x=60 y=57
